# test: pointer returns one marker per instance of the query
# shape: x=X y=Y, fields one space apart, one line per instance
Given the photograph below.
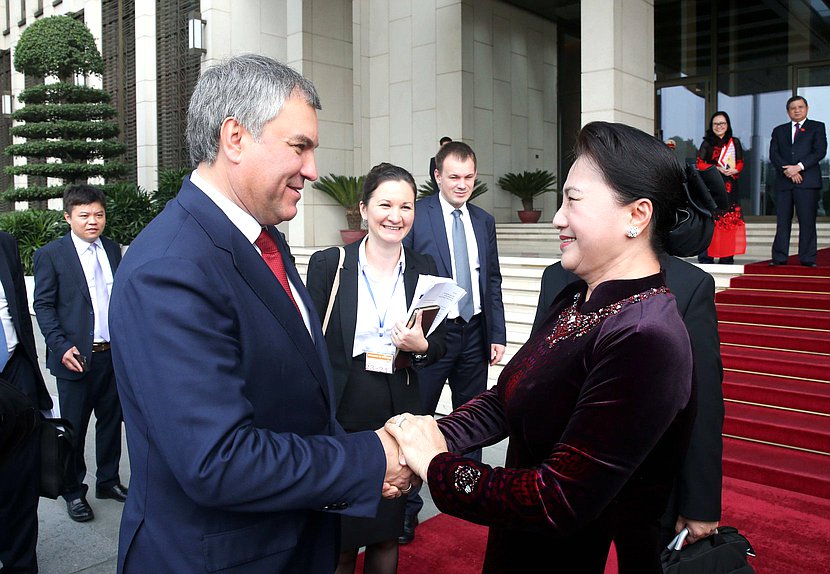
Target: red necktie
x=273 y=258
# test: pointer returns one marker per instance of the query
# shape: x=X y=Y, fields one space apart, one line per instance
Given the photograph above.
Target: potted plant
x=527 y=185
x=347 y=191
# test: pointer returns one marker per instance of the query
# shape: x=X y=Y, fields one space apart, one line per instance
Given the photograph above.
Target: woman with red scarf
x=724 y=152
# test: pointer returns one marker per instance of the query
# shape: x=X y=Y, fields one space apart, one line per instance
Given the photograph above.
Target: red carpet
x=774 y=325
x=789 y=531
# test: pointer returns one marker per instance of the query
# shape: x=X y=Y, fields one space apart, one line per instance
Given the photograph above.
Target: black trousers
x=805 y=202
x=19 y=491
x=94 y=392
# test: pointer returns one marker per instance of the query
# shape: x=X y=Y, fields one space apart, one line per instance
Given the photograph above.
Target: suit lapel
x=480 y=231
x=439 y=231
x=348 y=292
x=8 y=288
x=74 y=266
x=410 y=277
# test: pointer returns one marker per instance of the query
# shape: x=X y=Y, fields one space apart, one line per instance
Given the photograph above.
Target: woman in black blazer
x=377 y=284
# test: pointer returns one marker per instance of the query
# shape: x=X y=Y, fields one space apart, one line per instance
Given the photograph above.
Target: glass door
x=681 y=117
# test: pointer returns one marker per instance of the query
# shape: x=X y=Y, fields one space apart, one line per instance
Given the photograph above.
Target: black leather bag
x=692 y=232
x=57 y=439
x=722 y=553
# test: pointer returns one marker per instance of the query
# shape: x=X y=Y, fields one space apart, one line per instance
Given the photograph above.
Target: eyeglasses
x=719 y=123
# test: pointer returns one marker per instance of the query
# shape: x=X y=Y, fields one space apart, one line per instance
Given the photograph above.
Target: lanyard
x=382 y=320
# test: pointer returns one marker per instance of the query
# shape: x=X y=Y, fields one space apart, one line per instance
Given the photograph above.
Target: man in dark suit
x=696 y=500
x=796 y=148
x=19 y=474
x=449 y=228
x=441 y=142
x=238 y=463
x=73 y=279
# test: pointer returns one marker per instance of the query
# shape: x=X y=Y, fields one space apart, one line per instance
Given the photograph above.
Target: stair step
x=787 y=363
x=793 y=270
x=790 y=428
x=782 y=283
x=773 y=337
x=780 y=467
x=774 y=299
x=803 y=318
x=783 y=392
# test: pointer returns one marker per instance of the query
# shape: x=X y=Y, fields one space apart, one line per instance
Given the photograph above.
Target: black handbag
x=724 y=552
x=695 y=221
x=57 y=440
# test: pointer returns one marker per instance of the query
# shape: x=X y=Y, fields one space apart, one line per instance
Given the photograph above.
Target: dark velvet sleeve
x=639 y=380
x=476 y=424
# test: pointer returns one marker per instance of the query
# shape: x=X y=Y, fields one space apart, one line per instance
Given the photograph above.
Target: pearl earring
x=632 y=231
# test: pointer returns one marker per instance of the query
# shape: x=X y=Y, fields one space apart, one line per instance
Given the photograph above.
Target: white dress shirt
x=8 y=325
x=381 y=302
x=472 y=250
x=87 y=254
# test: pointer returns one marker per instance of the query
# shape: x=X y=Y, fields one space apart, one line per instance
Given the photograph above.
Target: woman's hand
x=410 y=339
x=419 y=439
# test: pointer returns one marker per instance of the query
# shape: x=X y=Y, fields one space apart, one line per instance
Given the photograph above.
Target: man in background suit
x=441 y=142
x=73 y=280
x=447 y=227
x=238 y=463
x=696 y=499
x=19 y=474
x=796 y=148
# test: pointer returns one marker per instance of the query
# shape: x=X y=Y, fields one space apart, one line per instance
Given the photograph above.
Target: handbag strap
x=334 y=287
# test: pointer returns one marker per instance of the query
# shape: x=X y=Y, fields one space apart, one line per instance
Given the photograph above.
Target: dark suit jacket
x=809 y=148
x=62 y=304
x=238 y=464
x=698 y=492
x=14 y=286
x=429 y=236
x=340 y=333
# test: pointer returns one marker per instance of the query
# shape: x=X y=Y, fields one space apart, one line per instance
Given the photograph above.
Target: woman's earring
x=632 y=231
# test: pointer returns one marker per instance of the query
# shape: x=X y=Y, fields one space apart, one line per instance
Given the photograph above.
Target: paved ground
x=67 y=547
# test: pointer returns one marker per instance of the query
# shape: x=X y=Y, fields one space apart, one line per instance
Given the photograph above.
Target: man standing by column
x=795 y=150
x=461 y=238
x=73 y=280
x=20 y=473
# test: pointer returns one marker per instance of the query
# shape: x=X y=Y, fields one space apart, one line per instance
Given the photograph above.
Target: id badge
x=380 y=362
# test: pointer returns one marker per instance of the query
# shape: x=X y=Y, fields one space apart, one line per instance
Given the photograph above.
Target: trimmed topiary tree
x=65 y=124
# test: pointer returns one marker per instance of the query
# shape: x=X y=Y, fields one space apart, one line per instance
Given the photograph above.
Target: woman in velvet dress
x=377 y=284
x=724 y=152
x=596 y=403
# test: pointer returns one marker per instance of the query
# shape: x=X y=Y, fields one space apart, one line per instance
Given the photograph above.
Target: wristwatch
x=419 y=357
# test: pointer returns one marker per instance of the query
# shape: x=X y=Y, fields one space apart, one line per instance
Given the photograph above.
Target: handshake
x=410 y=443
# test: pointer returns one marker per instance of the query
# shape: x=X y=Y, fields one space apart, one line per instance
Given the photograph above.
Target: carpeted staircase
x=774 y=325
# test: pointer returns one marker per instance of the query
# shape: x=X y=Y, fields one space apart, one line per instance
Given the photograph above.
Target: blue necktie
x=102 y=297
x=462 y=266
x=4 y=346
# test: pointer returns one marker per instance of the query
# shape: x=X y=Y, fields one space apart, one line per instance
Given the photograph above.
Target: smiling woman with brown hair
x=596 y=403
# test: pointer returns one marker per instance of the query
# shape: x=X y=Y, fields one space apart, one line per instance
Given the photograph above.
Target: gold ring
x=407 y=489
x=400 y=420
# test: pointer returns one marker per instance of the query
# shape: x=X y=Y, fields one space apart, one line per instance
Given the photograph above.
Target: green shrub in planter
x=33 y=229
x=169 y=184
x=129 y=210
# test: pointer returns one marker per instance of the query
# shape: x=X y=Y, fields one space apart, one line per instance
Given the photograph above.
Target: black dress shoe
x=79 y=510
x=117 y=492
x=776 y=263
x=409 y=524
x=809 y=265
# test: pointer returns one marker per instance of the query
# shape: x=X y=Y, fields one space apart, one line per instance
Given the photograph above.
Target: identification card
x=380 y=362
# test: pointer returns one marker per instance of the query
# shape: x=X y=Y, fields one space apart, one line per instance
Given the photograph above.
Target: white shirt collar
x=447 y=208
x=243 y=220
x=363 y=261
x=801 y=123
x=81 y=245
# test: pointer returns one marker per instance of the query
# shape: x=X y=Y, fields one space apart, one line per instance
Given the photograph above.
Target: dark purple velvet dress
x=595 y=407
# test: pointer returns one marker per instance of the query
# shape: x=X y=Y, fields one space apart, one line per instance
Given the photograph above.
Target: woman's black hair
x=636 y=166
x=710 y=133
x=382 y=173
